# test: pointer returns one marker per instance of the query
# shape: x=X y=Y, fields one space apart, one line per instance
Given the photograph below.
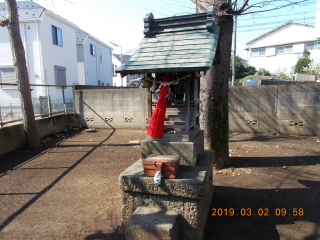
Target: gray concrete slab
x=153 y=223
x=188 y=151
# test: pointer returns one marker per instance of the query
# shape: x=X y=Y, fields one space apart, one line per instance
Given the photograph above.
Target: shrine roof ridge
x=175 y=44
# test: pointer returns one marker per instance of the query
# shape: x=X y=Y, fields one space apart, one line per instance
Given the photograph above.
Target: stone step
x=178 y=126
x=179 y=135
x=177 y=111
x=153 y=223
x=180 y=105
x=178 y=114
x=174 y=122
x=180 y=108
x=177 y=119
x=181 y=115
x=192 y=103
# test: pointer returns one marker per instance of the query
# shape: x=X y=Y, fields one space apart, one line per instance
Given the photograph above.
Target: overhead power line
x=257 y=29
x=277 y=22
x=277 y=16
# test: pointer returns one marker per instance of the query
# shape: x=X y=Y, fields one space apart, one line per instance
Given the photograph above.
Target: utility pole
x=234 y=51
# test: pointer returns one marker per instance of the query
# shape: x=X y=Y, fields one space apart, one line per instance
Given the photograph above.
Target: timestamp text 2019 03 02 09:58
x=259 y=212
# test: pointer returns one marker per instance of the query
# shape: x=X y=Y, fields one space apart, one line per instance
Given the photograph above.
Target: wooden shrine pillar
x=187 y=104
x=149 y=101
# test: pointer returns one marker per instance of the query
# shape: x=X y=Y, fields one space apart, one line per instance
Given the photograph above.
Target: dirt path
x=268 y=173
x=69 y=189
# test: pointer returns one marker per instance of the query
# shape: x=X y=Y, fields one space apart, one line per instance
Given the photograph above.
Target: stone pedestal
x=188 y=151
x=189 y=195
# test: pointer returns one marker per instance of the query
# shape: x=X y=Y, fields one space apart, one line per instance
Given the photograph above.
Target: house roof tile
x=125 y=57
x=26 y=9
x=277 y=28
x=30 y=11
x=82 y=35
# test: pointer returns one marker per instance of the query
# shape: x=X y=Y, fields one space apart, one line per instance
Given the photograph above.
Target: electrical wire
x=257 y=29
x=277 y=22
x=248 y=19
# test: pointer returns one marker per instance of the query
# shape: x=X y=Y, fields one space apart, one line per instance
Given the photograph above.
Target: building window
x=284 y=49
x=8 y=75
x=92 y=49
x=257 y=52
x=100 y=55
x=60 y=74
x=56 y=36
x=114 y=70
x=312 y=45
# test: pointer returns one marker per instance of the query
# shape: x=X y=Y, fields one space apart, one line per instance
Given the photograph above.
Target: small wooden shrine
x=179 y=47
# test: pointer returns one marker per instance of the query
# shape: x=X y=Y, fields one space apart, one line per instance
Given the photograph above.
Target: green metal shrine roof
x=175 y=44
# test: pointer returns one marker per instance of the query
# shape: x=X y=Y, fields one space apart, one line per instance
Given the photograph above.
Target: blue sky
x=121 y=21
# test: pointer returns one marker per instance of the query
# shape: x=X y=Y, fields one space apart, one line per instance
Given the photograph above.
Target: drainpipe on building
x=39 y=52
x=98 y=63
x=84 y=60
x=318 y=19
x=26 y=48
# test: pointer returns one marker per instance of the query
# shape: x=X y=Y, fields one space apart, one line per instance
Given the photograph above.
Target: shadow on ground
x=250 y=162
x=24 y=155
x=27 y=158
x=261 y=137
x=105 y=236
x=285 y=212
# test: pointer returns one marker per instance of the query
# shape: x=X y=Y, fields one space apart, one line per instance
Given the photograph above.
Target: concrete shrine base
x=189 y=151
x=189 y=195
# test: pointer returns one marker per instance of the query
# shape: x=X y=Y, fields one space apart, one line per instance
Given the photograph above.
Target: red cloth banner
x=156 y=124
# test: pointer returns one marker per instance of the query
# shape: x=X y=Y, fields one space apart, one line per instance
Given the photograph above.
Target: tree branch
x=3 y=22
x=276 y=8
x=228 y=5
x=237 y=12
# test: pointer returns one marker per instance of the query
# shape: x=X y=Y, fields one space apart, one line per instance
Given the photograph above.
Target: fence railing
x=46 y=100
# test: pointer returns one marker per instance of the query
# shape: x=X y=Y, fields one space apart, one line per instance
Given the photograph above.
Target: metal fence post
x=0 y=117
x=64 y=101
x=49 y=101
x=74 y=98
x=11 y=113
x=64 y=104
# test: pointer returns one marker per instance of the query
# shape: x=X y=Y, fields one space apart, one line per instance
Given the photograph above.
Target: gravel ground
x=68 y=189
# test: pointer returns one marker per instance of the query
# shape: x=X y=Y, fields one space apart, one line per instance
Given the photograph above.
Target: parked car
x=255 y=81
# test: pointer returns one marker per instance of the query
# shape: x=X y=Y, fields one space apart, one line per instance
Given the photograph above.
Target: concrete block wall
x=292 y=109
x=12 y=136
x=112 y=107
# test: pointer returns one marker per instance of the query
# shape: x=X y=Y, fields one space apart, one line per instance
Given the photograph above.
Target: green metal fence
x=46 y=100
